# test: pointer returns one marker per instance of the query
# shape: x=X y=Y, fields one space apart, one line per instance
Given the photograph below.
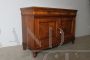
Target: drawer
x=49 y=13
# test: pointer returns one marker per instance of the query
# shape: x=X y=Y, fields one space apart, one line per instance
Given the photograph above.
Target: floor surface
x=78 y=51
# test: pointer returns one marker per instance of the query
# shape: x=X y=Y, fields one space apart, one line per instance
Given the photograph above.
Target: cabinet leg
x=34 y=54
x=24 y=46
x=73 y=41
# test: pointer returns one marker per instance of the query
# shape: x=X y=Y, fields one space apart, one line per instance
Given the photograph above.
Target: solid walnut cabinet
x=42 y=27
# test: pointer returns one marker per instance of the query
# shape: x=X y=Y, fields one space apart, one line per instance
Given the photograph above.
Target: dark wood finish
x=36 y=22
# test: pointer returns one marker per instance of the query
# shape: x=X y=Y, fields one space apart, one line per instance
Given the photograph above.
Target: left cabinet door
x=46 y=32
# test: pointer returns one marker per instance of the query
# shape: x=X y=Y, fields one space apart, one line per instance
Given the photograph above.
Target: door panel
x=44 y=27
x=67 y=25
x=47 y=28
x=43 y=30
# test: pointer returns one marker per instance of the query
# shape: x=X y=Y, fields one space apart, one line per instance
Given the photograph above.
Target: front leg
x=73 y=40
x=24 y=46
x=34 y=54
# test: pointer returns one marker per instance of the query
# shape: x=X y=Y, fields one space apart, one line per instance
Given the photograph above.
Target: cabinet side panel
x=24 y=33
x=30 y=32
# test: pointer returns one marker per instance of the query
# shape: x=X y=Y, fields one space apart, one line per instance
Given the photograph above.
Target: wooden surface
x=36 y=22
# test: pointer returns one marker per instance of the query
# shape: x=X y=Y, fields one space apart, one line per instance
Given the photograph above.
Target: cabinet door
x=68 y=27
x=47 y=32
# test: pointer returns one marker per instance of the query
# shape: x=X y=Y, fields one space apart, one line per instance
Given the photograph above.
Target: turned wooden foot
x=24 y=46
x=73 y=41
x=34 y=54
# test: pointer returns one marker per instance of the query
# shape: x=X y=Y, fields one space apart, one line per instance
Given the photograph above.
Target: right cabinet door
x=68 y=24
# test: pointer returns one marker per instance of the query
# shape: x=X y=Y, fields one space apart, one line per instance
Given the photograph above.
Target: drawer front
x=54 y=12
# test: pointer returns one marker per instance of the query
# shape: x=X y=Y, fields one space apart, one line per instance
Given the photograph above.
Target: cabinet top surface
x=35 y=7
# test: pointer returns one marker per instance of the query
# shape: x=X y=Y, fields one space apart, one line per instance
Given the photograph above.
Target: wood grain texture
x=39 y=19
